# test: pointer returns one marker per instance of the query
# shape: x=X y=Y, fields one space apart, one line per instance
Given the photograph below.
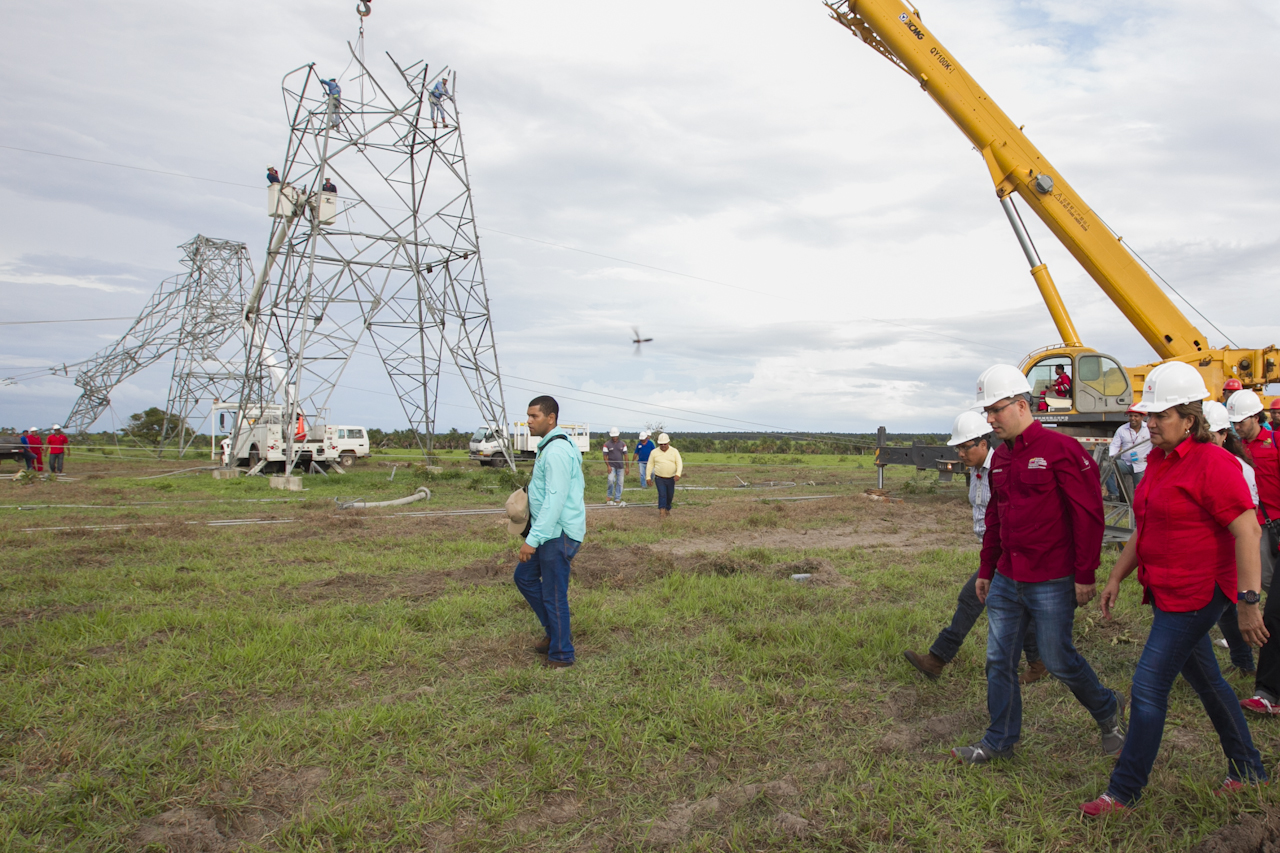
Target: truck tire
x=254 y=456
x=347 y=458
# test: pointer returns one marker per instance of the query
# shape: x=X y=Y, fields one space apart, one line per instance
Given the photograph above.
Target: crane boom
x=895 y=31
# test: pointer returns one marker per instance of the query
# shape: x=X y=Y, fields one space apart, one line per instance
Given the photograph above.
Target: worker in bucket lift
x=439 y=92
x=273 y=177
x=974 y=442
x=330 y=186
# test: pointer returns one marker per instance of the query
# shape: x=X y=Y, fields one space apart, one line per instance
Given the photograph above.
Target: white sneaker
x=608 y=503
x=622 y=503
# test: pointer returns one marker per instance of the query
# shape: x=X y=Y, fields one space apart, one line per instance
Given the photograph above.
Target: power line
x=126 y=166
x=519 y=237
x=81 y=320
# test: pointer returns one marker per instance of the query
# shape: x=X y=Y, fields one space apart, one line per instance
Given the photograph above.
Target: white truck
x=486 y=444
x=262 y=437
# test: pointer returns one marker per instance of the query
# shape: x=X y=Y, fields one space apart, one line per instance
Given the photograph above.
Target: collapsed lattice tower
x=195 y=316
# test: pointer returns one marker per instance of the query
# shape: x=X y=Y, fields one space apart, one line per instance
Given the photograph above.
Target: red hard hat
x=1275 y=404
x=1232 y=385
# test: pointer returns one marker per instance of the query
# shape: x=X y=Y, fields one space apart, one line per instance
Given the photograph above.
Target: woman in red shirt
x=1195 y=547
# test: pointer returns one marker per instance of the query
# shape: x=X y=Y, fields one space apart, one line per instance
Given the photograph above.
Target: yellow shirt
x=667 y=464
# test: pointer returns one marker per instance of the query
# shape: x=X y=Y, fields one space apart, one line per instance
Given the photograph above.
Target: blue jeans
x=666 y=491
x=644 y=467
x=1011 y=607
x=1126 y=470
x=544 y=583
x=1241 y=651
x=615 y=483
x=968 y=609
x=1179 y=642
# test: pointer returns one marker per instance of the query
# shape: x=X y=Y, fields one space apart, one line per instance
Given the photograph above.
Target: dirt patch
x=682 y=818
x=905 y=527
x=1253 y=834
x=44 y=614
x=184 y=831
x=276 y=795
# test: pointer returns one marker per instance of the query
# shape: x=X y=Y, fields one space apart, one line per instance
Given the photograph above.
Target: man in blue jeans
x=644 y=446
x=558 y=523
x=1041 y=547
x=974 y=442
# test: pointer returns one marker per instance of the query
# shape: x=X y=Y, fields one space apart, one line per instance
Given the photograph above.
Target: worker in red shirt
x=1274 y=412
x=1245 y=412
x=57 y=443
x=1195 y=549
x=36 y=445
x=1039 y=552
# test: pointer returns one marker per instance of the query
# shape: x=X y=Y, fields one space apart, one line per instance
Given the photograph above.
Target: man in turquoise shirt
x=558 y=514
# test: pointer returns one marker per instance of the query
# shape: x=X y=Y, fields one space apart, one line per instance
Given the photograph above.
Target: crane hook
x=363 y=8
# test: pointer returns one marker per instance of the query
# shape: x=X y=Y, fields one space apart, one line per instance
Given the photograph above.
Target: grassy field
x=324 y=679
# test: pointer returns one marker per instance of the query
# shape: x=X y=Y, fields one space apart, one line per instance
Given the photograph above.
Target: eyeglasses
x=966 y=447
x=995 y=410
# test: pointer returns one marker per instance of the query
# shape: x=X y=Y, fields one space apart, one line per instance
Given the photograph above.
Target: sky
x=808 y=239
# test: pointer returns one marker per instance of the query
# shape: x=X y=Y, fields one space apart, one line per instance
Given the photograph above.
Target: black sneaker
x=1114 y=730
x=980 y=753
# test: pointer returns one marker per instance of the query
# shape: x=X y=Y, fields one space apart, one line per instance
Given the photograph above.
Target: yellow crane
x=1101 y=389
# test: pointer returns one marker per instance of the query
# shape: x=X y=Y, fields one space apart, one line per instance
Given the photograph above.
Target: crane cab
x=1080 y=391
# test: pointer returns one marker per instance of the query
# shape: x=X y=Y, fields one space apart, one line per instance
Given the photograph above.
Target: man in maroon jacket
x=1039 y=553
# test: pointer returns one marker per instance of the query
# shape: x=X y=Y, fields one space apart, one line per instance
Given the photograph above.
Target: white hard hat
x=613 y=432
x=664 y=439
x=968 y=426
x=57 y=426
x=1242 y=405
x=1215 y=415
x=1000 y=382
x=1171 y=384
x=644 y=433
x=34 y=429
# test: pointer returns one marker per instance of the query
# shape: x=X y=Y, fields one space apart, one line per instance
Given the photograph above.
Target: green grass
x=363 y=683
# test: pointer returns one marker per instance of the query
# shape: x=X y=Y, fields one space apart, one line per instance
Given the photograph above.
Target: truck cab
x=347 y=443
x=486 y=442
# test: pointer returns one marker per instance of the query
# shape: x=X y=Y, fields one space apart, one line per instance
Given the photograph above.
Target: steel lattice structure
x=195 y=316
x=389 y=261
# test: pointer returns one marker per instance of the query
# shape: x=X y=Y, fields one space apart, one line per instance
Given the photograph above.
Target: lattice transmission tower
x=195 y=317
x=388 y=263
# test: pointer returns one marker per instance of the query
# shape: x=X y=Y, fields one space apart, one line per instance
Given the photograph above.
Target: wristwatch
x=1248 y=596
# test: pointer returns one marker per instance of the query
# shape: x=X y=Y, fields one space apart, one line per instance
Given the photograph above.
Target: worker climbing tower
x=373 y=246
x=193 y=316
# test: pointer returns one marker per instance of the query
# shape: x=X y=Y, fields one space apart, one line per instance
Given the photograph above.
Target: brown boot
x=1033 y=673
x=542 y=646
x=662 y=513
x=930 y=665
